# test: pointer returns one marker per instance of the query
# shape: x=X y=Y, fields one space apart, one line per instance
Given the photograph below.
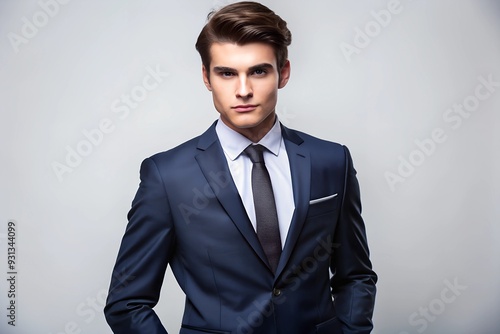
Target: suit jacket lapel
x=211 y=159
x=300 y=167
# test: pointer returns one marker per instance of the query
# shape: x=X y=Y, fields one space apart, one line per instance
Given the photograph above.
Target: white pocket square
x=322 y=199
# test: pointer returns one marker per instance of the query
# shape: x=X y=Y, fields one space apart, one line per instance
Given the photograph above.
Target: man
x=252 y=216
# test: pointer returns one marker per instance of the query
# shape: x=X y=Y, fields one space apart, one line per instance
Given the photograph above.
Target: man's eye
x=227 y=74
x=260 y=72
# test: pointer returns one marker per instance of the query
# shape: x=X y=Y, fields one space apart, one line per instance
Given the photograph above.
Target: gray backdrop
x=88 y=89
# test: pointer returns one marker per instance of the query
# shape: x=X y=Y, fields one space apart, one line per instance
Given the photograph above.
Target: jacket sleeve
x=353 y=280
x=145 y=251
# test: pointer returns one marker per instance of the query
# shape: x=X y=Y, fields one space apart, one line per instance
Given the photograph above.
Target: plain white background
x=65 y=68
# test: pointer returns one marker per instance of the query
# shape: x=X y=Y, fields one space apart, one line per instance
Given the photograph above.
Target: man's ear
x=206 y=77
x=284 y=74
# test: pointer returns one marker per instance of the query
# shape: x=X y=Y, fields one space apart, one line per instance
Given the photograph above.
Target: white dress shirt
x=276 y=160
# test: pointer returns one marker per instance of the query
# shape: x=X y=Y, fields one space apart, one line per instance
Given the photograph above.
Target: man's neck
x=256 y=133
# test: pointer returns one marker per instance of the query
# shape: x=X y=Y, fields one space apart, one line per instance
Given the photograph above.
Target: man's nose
x=244 y=89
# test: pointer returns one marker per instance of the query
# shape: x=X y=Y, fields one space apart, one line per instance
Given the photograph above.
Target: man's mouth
x=245 y=107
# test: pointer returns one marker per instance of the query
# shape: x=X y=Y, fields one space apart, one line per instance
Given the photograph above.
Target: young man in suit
x=261 y=224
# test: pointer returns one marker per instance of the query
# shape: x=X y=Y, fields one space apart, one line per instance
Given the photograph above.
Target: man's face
x=244 y=81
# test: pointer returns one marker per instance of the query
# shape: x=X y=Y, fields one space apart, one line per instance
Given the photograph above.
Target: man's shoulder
x=312 y=142
x=182 y=151
x=321 y=151
x=187 y=149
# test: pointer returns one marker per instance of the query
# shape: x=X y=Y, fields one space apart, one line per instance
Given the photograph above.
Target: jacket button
x=276 y=292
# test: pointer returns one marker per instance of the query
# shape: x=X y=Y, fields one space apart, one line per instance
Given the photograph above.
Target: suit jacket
x=187 y=213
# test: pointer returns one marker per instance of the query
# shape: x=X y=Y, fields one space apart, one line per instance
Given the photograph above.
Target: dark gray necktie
x=265 y=207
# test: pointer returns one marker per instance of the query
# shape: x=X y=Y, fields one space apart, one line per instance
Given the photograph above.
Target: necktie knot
x=255 y=153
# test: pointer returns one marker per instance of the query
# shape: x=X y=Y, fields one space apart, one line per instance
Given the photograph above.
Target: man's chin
x=249 y=121
x=248 y=125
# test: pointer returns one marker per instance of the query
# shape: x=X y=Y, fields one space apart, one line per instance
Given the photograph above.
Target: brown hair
x=243 y=23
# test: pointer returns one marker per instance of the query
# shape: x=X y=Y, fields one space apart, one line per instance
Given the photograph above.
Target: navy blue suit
x=188 y=213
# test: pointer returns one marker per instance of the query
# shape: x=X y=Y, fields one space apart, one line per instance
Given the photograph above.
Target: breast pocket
x=322 y=205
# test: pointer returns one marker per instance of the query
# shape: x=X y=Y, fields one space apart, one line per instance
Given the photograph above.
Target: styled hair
x=243 y=23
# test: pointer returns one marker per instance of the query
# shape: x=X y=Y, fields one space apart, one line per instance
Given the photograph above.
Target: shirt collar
x=233 y=143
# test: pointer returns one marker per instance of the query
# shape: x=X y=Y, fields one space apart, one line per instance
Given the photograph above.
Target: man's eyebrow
x=261 y=66
x=223 y=69
x=251 y=69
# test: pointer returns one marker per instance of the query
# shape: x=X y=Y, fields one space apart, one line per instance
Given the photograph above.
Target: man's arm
x=353 y=282
x=145 y=251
